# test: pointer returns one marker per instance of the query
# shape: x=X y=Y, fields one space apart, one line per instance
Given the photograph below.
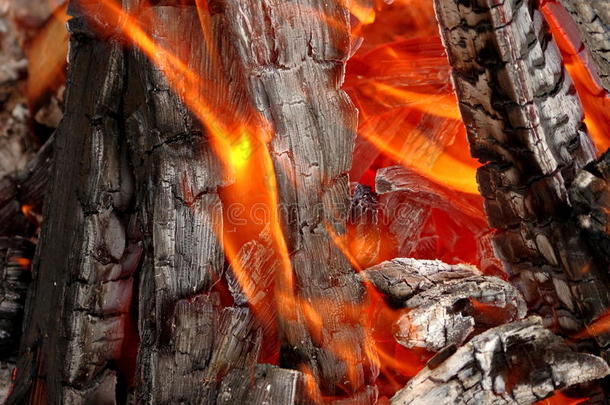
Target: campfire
x=304 y=202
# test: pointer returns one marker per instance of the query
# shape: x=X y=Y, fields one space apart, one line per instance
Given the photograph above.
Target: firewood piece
x=518 y=363
x=294 y=73
x=177 y=177
x=593 y=21
x=88 y=248
x=590 y=196
x=25 y=188
x=15 y=276
x=524 y=120
x=449 y=313
x=403 y=278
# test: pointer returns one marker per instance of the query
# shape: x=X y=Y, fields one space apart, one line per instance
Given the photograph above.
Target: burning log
x=524 y=121
x=593 y=19
x=518 y=363
x=295 y=73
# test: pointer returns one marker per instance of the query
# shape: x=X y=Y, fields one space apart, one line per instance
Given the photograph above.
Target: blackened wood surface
x=524 y=122
x=15 y=256
x=77 y=307
x=295 y=72
x=183 y=330
x=593 y=20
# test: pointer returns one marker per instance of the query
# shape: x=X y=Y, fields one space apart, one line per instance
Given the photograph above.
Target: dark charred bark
x=295 y=73
x=524 y=121
x=134 y=210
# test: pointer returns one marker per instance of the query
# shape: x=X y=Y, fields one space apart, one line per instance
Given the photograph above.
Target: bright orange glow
x=408 y=110
x=560 y=398
x=46 y=53
x=597 y=327
x=21 y=261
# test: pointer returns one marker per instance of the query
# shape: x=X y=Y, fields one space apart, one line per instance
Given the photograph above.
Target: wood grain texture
x=77 y=306
x=294 y=73
x=490 y=369
x=591 y=198
x=593 y=20
x=448 y=304
x=524 y=121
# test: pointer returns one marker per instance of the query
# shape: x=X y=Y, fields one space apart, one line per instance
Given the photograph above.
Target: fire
x=395 y=97
x=23 y=262
x=560 y=398
x=594 y=98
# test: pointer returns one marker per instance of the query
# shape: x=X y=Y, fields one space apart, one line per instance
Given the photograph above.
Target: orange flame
x=560 y=398
x=21 y=261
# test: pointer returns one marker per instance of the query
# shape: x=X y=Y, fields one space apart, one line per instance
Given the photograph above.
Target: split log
x=89 y=249
x=401 y=279
x=518 y=363
x=294 y=73
x=593 y=20
x=524 y=122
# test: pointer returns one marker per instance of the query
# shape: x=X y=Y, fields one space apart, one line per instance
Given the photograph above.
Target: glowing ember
x=561 y=399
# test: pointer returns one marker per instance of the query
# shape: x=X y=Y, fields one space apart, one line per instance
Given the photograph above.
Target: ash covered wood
x=447 y=304
x=524 y=122
x=593 y=20
x=450 y=313
x=518 y=363
x=403 y=278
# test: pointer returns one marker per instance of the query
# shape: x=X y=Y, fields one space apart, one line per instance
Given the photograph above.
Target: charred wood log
x=447 y=304
x=524 y=121
x=416 y=211
x=88 y=251
x=518 y=363
x=593 y=20
x=295 y=72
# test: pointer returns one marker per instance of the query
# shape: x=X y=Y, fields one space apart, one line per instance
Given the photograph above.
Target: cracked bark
x=524 y=122
x=140 y=213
